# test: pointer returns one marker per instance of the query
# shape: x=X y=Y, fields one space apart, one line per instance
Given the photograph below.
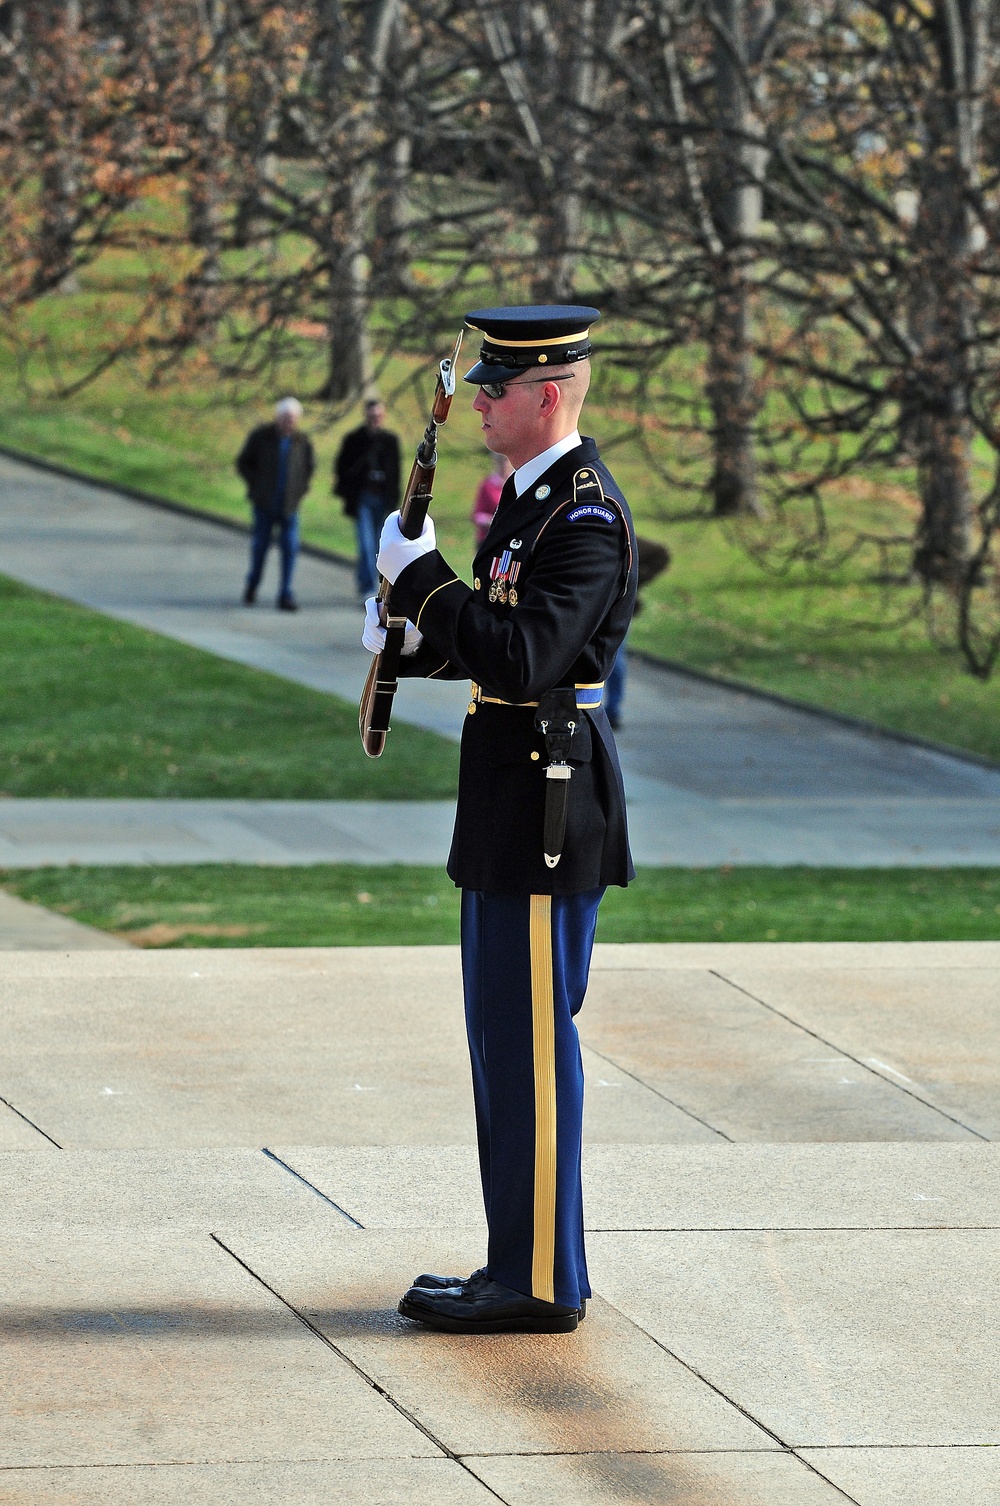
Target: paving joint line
x=7 y=1104
x=848 y=1056
x=355 y=1224
x=640 y=1453
x=649 y=1087
x=803 y=1228
x=786 y=1448
x=358 y=1370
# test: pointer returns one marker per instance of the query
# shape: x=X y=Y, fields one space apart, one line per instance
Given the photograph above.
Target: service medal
x=512 y=597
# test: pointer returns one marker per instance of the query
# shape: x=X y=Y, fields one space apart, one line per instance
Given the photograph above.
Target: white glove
x=373 y=636
x=395 y=552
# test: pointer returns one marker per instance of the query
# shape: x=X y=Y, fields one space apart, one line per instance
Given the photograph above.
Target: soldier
x=540 y=829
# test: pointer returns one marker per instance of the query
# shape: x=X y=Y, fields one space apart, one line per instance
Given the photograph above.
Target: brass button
x=477 y=583
x=472 y=708
x=584 y=475
x=535 y=757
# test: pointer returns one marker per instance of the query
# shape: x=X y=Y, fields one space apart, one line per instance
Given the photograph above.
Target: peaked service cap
x=539 y=334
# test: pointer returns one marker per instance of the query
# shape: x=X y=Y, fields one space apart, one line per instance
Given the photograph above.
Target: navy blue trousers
x=525 y=963
x=264 y=524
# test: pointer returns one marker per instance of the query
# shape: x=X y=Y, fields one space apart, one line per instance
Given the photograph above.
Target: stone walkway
x=220 y=1168
x=714 y=775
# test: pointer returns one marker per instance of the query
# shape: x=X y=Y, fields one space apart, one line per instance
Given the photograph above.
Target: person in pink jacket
x=488 y=496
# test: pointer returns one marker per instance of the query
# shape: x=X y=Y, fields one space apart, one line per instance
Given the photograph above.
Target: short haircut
x=289 y=405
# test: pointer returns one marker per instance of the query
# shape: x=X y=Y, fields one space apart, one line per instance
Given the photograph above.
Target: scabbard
x=557 y=778
x=557 y=719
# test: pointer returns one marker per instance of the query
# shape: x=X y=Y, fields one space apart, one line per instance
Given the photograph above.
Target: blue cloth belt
x=588 y=697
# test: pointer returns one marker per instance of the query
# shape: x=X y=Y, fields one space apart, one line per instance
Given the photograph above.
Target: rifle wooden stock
x=380 y=686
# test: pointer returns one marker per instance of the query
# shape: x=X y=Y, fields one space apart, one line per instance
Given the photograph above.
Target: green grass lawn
x=354 y=905
x=831 y=637
x=95 y=707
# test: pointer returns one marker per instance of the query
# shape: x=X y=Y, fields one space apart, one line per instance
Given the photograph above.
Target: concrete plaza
x=220 y=1168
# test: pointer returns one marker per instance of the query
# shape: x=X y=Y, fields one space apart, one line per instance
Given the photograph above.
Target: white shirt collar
x=529 y=472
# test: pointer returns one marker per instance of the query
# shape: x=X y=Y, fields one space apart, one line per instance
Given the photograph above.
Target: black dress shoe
x=249 y=596
x=431 y=1283
x=486 y=1307
x=287 y=604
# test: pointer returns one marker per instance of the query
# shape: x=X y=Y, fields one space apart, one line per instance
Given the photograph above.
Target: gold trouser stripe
x=544 y=1042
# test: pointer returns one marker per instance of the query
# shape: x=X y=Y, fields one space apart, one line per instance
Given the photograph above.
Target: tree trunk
x=736 y=202
x=731 y=390
x=353 y=156
x=942 y=320
x=561 y=222
x=61 y=172
x=205 y=212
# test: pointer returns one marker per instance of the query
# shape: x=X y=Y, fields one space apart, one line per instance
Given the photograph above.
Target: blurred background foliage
x=786 y=211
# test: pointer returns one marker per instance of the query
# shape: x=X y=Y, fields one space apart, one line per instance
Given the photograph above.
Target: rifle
x=381 y=684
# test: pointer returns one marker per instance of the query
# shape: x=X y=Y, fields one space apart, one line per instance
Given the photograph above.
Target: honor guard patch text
x=591 y=510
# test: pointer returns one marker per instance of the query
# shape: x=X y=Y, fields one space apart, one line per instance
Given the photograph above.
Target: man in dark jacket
x=540 y=829
x=276 y=462
x=366 y=477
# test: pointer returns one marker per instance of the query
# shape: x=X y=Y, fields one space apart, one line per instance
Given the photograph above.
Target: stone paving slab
x=934 y=1030
x=17 y=1133
x=716 y=1479
x=671 y=1187
x=807 y=1330
x=913 y=1476
x=160 y=1349
x=293 y=833
x=331 y=1054
x=165 y=1189
x=606 y=1387
x=366 y=1046
x=28 y=928
x=684 y=1032
x=376 y=1482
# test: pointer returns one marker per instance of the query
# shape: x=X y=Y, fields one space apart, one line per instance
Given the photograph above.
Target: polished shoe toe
x=432 y=1283
x=486 y=1306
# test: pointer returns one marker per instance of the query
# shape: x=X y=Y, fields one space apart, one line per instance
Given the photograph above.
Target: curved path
x=714 y=774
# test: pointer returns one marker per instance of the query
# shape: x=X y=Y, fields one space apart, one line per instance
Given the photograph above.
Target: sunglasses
x=497 y=390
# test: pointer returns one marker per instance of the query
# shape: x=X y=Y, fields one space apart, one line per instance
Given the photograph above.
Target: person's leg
x=614 y=690
x=472 y=979
x=526 y=963
x=260 y=542
x=289 y=554
x=368 y=529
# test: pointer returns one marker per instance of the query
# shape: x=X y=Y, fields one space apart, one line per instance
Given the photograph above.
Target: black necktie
x=508 y=492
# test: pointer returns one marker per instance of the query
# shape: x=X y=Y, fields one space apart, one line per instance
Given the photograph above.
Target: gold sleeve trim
x=427 y=598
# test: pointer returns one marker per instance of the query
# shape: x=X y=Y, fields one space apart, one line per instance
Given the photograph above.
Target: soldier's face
x=512 y=422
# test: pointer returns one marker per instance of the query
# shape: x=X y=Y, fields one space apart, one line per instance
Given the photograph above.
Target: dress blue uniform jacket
x=553 y=594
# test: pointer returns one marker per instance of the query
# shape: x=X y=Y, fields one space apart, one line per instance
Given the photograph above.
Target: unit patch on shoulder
x=591 y=510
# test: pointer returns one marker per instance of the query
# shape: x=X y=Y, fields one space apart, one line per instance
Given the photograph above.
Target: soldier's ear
x=551 y=394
